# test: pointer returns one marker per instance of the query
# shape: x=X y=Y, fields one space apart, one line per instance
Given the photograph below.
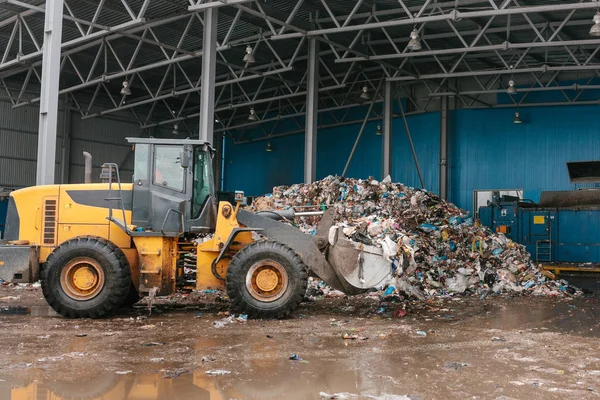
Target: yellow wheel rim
x=82 y=278
x=267 y=280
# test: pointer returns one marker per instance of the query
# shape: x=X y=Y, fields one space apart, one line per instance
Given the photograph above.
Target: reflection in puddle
x=293 y=384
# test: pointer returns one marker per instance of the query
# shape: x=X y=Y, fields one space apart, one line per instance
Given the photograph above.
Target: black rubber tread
x=242 y=300
x=117 y=277
x=132 y=297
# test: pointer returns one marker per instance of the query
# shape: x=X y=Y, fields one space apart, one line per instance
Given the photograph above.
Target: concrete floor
x=499 y=348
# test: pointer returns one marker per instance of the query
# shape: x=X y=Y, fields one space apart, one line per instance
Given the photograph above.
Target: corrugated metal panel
x=23 y=119
x=104 y=139
x=488 y=151
x=250 y=168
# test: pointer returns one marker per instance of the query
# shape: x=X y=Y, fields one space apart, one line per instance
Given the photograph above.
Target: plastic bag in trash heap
x=433 y=246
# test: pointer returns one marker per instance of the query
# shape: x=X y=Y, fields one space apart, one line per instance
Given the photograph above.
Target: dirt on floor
x=188 y=347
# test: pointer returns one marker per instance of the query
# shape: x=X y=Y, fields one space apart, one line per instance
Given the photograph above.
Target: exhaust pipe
x=88 y=167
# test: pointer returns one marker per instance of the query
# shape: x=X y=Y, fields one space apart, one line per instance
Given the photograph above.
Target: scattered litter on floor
x=435 y=249
x=218 y=372
x=230 y=320
x=455 y=365
x=173 y=374
x=337 y=396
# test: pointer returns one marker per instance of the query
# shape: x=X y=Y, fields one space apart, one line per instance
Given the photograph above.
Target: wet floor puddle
x=33 y=311
x=204 y=385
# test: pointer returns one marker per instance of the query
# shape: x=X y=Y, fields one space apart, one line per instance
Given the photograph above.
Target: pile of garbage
x=434 y=247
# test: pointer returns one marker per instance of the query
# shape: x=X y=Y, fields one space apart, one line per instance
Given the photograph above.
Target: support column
x=65 y=161
x=46 y=157
x=387 y=130
x=312 y=108
x=209 y=65
x=444 y=148
x=218 y=161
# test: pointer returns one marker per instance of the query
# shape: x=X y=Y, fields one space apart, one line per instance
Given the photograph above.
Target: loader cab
x=173 y=186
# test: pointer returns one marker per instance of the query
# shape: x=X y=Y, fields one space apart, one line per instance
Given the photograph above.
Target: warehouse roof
x=469 y=48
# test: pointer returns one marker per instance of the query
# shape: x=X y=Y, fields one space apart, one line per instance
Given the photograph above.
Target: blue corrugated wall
x=487 y=151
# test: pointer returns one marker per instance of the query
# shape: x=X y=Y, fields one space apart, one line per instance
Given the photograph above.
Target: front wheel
x=86 y=277
x=266 y=280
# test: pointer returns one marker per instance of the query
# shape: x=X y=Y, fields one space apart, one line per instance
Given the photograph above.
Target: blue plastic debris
x=529 y=284
x=389 y=291
x=498 y=251
x=452 y=246
x=428 y=227
x=455 y=220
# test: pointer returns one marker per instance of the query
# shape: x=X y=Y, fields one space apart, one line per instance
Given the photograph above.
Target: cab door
x=162 y=188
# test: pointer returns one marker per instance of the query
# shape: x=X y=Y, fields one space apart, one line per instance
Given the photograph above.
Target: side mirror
x=184 y=159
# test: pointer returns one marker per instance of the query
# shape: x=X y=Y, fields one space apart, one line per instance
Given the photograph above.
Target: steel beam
x=410 y=142
x=215 y=4
x=468 y=74
x=444 y=148
x=452 y=16
x=46 y=159
x=387 y=129
x=362 y=128
x=506 y=46
x=209 y=67
x=312 y=112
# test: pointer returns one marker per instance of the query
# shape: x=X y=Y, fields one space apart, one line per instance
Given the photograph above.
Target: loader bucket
x=342 y=264
x=358 y=265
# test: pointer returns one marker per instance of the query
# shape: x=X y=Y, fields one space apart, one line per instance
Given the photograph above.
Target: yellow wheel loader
x=100 y=246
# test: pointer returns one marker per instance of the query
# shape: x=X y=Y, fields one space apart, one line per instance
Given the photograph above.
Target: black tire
x=290 y=295
x=132 y=297
x=110 y=292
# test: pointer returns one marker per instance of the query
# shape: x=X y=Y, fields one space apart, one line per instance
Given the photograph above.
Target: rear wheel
x=86 y=277
x=266 y=280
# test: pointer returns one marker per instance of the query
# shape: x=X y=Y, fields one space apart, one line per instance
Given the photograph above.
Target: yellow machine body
x=210 y=276
x=51 y=215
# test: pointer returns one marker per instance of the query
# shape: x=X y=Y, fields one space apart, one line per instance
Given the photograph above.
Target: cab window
x=167 y=168
x=203 y=180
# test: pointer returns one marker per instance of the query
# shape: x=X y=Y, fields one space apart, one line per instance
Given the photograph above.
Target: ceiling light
x=126 y=91
x=517 y=119
x=511 y=87
x=252 y=116
x=365 y=93
x=175 y=130
x=595 y=31
x=249 y=57
x=269 y=148
x=414 y=43
x=378 y=132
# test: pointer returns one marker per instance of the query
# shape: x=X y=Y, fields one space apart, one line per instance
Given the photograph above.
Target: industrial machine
x=99 y=246
x=561 y=231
